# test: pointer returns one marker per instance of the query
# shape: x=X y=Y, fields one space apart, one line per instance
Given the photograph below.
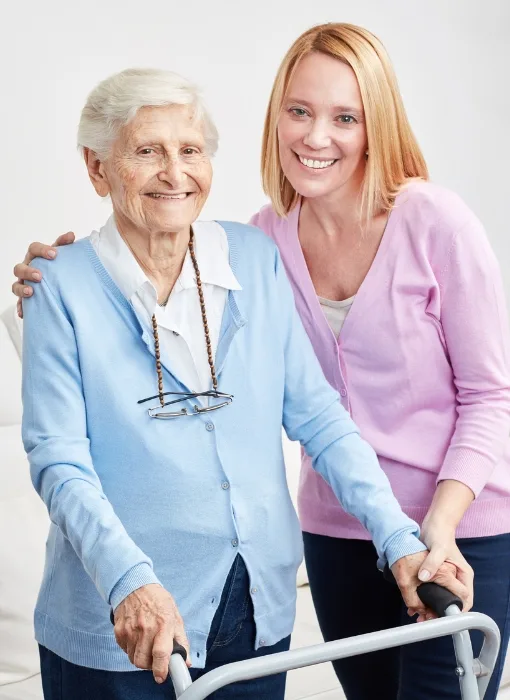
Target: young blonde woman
x=401 y=296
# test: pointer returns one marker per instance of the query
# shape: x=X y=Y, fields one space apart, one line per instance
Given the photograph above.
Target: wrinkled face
x=158 y=173
x=321 y=129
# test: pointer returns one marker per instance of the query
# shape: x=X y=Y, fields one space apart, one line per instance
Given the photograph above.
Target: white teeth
x=316 y=164
x=169 y=196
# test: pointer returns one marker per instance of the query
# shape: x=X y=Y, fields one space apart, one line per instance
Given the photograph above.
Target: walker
x=473 y=674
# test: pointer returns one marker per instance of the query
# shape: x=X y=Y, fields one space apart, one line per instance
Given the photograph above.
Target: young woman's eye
x=298 y=111
x=347 y=119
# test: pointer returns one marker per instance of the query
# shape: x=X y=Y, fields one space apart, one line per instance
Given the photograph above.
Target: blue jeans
x=231 y=638
x=351 y=598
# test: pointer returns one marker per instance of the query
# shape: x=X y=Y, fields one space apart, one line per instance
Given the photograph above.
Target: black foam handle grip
x=437 y=598
x=179 y=649
x=434 y=596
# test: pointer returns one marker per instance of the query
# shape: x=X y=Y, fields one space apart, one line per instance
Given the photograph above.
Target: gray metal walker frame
x=473 y=674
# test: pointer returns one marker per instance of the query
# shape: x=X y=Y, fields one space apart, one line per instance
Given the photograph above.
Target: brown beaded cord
x=205 y=324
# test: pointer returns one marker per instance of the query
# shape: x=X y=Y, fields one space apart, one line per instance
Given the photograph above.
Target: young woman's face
x=321 y=129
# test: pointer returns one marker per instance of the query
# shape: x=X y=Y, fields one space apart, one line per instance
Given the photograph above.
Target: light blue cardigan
x=135 y=500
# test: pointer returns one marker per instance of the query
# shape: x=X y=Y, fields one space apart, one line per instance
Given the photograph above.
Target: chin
x=310 y=190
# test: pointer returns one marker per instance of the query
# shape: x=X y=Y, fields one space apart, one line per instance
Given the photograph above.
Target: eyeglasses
x=225 y=400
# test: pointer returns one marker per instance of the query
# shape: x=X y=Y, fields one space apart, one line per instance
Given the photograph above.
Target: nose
x=172 y=173
x=318 y=135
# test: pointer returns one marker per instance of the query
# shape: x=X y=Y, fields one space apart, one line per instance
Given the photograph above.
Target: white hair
x=115 y=101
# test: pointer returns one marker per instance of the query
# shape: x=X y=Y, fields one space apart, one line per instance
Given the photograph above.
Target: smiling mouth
x=161 y=195
x=315 y=164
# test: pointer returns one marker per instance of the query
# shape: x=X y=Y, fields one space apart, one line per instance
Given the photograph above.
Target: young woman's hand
x=23 y=270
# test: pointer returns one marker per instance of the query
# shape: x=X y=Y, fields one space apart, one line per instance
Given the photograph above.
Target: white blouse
x=180 y=327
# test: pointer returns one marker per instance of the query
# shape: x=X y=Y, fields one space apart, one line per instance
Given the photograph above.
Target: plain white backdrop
x=452 y=58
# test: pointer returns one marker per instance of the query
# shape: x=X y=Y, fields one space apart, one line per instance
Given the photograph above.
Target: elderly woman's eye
x=190 y=151
x=146 y=151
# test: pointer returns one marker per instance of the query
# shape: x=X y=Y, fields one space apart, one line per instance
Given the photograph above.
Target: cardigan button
x=209 y=426
x=343 y=392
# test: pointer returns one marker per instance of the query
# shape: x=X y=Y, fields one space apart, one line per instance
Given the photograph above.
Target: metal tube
x=344 y=648
x=180 y=674
x=464 y=655
x=487 y=659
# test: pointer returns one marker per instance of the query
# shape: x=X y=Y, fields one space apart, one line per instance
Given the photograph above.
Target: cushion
x=14 y=326
x=24 y=526
x=10 y=374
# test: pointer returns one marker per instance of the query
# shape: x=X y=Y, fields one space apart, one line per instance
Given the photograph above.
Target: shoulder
x=274 y=225
x=249 y=237
x=440 y=224
x=434 y=207
x=68 y=265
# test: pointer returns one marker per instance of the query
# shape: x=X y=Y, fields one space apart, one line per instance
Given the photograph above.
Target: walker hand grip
x=179 y=649
x=434 y=596
x=438 y=598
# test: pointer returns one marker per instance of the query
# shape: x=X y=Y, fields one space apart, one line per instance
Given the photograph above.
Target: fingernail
x=159 y=679
x=51 y=253
x=424 y=575
x=26 y=291
x=36 y=276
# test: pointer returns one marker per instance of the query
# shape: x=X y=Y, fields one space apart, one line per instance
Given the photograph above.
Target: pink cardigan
x=422 y=361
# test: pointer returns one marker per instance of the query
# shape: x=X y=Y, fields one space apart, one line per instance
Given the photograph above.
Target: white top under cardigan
x=180 y=326
x=336 y=312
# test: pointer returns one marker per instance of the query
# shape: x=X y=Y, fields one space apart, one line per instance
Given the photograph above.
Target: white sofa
x=23 y=529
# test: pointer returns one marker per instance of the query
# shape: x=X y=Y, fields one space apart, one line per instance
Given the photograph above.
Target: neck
x=160 y=254
x=337 y=214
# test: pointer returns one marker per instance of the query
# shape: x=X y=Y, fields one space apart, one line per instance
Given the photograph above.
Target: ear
x=97 y=172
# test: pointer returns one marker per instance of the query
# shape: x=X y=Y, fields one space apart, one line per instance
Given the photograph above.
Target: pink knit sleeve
x=475 y=325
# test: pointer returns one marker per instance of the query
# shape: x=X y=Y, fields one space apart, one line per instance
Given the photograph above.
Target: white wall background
x=452 y=58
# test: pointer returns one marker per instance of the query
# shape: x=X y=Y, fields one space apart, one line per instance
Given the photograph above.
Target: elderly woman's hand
x=406 y=572
x=146 y=624
x=23 y=271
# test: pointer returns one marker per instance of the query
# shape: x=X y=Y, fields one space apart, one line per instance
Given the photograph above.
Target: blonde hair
x=394 y=154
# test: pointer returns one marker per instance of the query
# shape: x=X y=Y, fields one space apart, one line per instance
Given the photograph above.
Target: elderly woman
x=161 y=357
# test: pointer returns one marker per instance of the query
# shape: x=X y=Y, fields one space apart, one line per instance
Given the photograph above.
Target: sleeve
x=474 y=320
x=314 y=415
x=54 y=432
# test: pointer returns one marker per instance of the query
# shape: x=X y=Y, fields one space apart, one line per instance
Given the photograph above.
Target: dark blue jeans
x=232 y=638
x=351 y=598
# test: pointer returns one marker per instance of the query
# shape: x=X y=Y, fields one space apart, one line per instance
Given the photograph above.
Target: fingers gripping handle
x=434 y=596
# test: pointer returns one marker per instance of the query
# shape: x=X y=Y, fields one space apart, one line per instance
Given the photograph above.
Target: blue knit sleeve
x=55 y=438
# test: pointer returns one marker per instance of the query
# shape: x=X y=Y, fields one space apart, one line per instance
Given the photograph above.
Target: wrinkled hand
x=406 y=572
x=146 y=624
x=23 y=271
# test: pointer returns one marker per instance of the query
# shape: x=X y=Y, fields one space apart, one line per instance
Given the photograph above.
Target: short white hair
x=115 y=101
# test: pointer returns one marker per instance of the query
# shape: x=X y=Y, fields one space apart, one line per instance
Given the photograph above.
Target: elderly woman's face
x=159 y=173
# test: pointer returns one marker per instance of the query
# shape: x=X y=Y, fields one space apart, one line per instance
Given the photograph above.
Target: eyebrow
x=337 y=108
